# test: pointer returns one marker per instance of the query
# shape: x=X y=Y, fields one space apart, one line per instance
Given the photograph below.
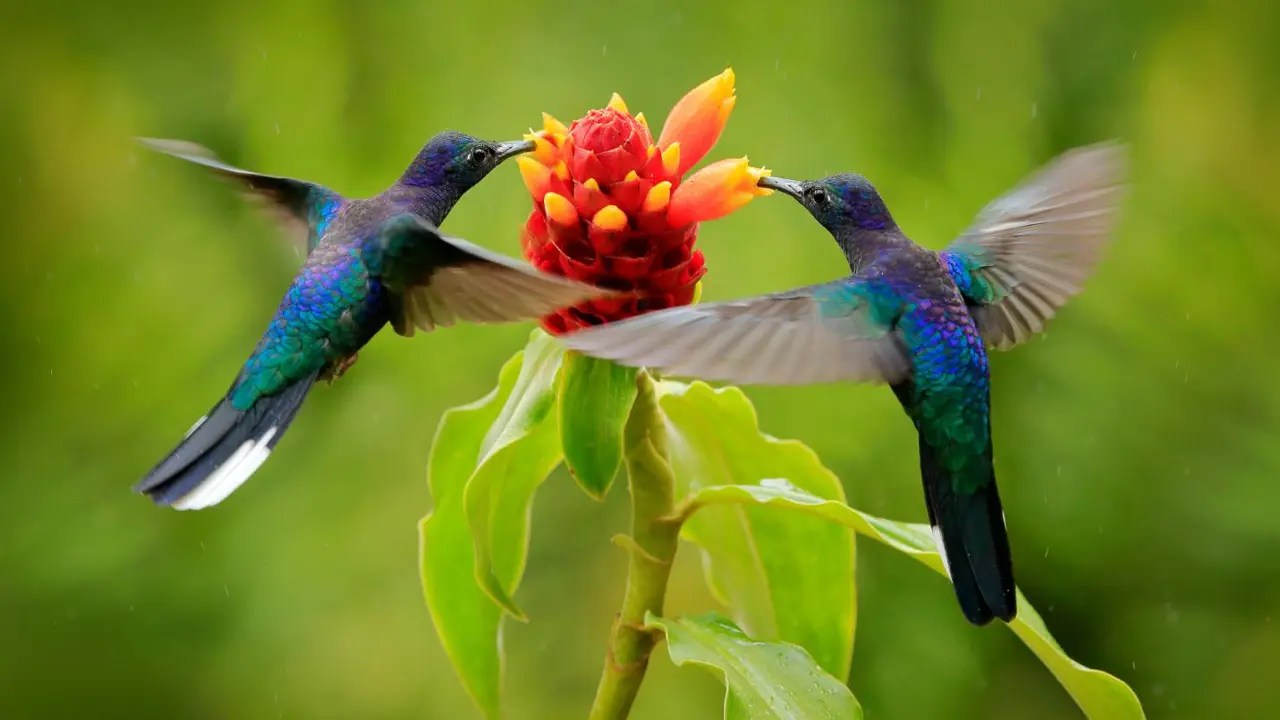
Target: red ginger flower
x=612 y=208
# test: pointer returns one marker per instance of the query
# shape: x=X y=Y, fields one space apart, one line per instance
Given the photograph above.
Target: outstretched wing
x=817 y=334
x=302 y=209
x=1032 y=249
x=437 y=279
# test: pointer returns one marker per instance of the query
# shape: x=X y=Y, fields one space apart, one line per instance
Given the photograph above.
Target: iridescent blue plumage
x=916 y=320
x=369 y=263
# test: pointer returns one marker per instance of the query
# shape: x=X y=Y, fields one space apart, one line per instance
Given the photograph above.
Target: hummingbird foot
x=341 y=367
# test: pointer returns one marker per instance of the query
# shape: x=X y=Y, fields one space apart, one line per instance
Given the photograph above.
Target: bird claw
x=342 y=366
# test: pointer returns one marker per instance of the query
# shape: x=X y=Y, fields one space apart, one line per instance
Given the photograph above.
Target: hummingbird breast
x=332 y=308
x=949 y=397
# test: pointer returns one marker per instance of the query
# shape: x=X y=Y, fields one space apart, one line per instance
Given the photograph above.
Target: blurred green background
x=1136 y=443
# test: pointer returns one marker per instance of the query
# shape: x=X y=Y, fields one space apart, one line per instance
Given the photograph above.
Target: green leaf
x=517 y=454
x=595 y=400
x=753 y=560
x=470 y=442
x=763 y=680
x=1098 y=694
x=465 y=619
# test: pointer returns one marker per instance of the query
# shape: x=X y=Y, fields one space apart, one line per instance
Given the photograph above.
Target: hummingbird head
x=458 y=161
x=839 y=202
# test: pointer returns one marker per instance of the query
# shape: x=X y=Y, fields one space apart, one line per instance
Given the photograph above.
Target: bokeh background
x=1136 y=442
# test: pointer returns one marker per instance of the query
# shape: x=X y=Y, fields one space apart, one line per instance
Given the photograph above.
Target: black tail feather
x=223 y=450
x=970 y=531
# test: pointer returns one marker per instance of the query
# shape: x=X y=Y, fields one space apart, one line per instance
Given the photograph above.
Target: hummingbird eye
x=818 y=197
x=480 y=156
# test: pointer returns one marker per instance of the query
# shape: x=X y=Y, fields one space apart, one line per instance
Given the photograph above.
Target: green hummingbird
x=371 y=262
x=915 y=319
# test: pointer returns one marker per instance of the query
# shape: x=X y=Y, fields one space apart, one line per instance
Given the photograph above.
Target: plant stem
x=652 y=547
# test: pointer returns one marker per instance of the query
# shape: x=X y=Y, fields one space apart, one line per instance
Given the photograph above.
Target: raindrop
x=604 y=50
x=264 y=53
x=1035 y=109
x=226 y=590
x=1188 y=316
x=1135 y=55
x=1059 y=471
x=277 y=127
x=1046 y=552
x=979 y=97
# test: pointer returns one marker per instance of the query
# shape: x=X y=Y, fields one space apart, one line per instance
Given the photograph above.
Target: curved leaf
x=467 y=622
x=519 y=451
x=595 y=400
x=763 y=680
x=1098 y=694
x=752 y=563
x=480 y=518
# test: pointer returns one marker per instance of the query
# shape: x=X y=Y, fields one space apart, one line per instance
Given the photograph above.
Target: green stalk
x=651 y=549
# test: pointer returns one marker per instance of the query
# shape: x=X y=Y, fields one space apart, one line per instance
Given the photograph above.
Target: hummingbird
x=915 y=319
x=371 y=262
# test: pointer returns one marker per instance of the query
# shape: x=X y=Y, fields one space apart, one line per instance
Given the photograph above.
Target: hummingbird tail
x=970 y=532
x=223 y=449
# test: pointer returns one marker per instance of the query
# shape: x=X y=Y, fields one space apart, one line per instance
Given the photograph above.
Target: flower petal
x=698 y=119
x=610 y=219
x=715 y=191
x=536 y=176
x=658 y=198
x=559 y=209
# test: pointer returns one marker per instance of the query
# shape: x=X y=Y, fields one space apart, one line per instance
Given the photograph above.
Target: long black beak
x=787 y=187
x=513 y=148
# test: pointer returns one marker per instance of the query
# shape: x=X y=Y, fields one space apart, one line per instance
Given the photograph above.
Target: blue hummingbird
x=371 y=262
x=915 y=319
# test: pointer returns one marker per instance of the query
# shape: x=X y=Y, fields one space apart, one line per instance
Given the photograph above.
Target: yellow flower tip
x=640 y=118
x=616 y=103
x=632 y=176
x=552 y=125
x=610 y=219
x=543 y=150
x=658 y=197
x=650 y=152
x=591 y=184
x=536 y=176
x=756 y=174
x=727 y=79
x=671 y=159
x=697 y=293
x=561 y=170
x=559 y=209
x=726 y=108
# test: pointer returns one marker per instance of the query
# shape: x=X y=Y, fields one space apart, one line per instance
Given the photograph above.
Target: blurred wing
x=1032 y=249
x=437 y=279
x=816 y=334
x=300 y=208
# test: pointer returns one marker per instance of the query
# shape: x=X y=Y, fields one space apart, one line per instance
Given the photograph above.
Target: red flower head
x=612 y=208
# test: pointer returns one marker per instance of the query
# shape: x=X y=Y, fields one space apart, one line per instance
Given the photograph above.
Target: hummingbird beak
x=512 y=148
x=783 y=185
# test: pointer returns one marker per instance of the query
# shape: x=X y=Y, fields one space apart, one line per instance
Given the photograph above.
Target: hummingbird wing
x=302 y=209
x=815 y=334
x=1032 y=249
x=436 y=279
